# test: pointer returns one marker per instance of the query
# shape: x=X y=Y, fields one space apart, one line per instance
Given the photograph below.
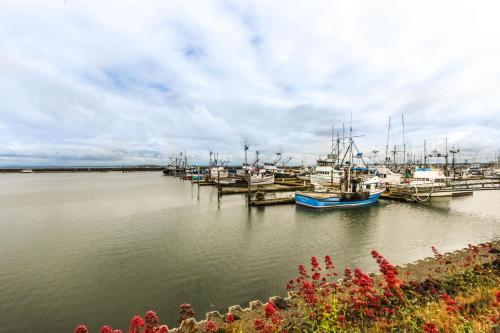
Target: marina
x=249 y=167
x=103 y=233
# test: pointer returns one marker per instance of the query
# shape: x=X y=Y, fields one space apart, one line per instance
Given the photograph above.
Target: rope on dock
x=415 y=196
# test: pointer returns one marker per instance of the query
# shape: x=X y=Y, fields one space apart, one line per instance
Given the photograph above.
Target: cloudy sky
x=126 y=82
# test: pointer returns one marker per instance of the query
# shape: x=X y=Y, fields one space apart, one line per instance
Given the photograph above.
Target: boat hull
x=261 y=180
x=334 y=201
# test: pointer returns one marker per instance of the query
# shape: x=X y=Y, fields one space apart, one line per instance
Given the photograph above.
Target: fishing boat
x=218 y=172
x=261 y=179
x=325 y=172
x=328 y=171
x=355 y=187
x=387 y=176
x=428 y=177
x=361 y=194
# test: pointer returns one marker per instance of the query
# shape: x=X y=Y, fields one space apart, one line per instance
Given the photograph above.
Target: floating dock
x=273 y=201
x=263 y=188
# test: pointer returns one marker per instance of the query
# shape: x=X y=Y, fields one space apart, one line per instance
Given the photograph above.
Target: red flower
x=136 y=323
x=303 y=271
x=450 y=302
x=106 y=329
x=315 y=264
x=258 y=324
x=81 y=329
x=211 y=327
x=230 y=318
x=316 y=276
x=151 y=322
x=430 y=327
x=163 y=329
x=117 y=331
x=270 y=309
x=267 y=329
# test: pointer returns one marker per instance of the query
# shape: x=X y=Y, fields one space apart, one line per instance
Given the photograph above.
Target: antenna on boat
x=245 y=147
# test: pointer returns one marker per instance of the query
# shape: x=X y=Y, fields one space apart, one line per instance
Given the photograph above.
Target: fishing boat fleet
x=342 y=179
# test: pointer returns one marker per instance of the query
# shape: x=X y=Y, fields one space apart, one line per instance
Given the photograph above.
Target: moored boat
x=356 y=187
x=261 y=179
x=367 y=193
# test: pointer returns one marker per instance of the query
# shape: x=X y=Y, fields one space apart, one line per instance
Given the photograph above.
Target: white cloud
x=133 y=81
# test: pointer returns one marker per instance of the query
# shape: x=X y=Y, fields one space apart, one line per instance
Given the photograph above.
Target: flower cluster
x=211 y=327
x=359 y=300
x=272 y=319
x=137 y=325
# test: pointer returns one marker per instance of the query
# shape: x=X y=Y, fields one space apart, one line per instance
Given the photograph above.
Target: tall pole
x=404 y=139
x=246 y=149
x=343 y=138
x=387 y=143
x=338 y=150
x=350 y=156
x=425 y=154
x=249 y=182
x=454 y=151
x=331 y=165
x=446 y=157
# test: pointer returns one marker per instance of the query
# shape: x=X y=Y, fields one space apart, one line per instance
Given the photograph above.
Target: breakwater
x=83 y=169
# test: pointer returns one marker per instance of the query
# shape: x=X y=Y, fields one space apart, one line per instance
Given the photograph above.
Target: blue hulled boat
x=364 y=193
x=337 y=199
x=356 y=187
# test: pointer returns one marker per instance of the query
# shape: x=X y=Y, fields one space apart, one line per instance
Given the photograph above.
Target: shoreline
x=418 y=271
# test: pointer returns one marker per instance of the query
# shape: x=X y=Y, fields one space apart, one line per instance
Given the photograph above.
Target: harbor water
x=98 y=248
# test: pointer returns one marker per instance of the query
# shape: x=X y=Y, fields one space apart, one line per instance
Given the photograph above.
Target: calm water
x=100 y=247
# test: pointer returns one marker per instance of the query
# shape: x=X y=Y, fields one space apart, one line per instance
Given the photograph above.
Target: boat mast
x=350 y=155
x=404 y=140
x=343 y=138
x=425 y=153
x=246 y=149
x=338 y=150
x=331 y=166
x=387 y=144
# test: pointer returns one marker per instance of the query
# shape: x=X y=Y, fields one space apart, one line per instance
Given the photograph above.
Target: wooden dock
x=407 y=195
x=263 y=188
x=273 y=201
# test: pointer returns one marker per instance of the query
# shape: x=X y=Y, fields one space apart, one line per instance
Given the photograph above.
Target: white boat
x=427 y=177
x=218 y=173
x=356 y=188
x=493 y=173
x=325 y=175
x=26 y=171
x=261 y=179
x=387 y=177
x=474 y=170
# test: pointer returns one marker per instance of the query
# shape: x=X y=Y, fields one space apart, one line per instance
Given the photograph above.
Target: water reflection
x=81 y=247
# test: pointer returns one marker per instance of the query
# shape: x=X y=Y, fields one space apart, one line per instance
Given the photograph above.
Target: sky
x=136 y=82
